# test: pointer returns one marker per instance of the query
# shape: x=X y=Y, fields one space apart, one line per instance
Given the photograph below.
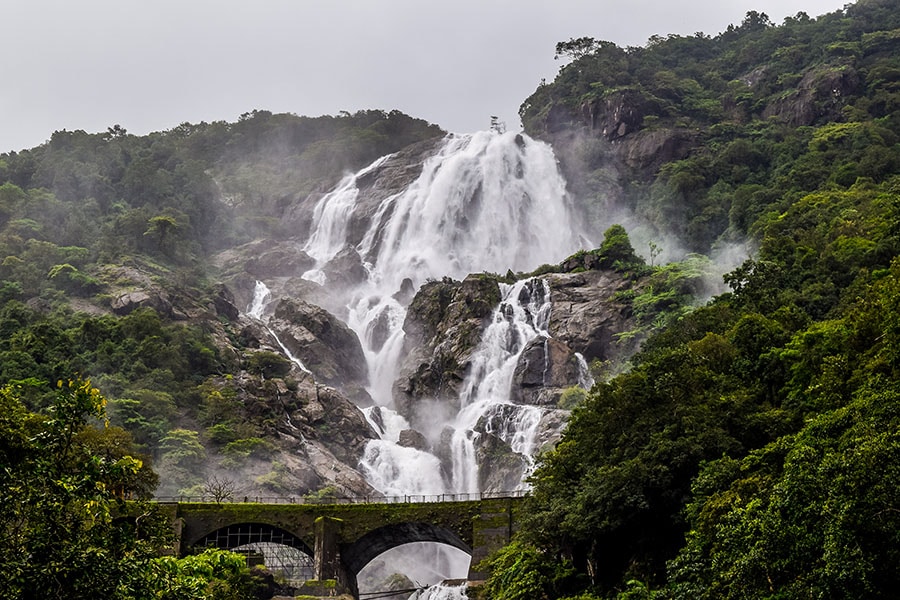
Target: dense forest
x=752 y=450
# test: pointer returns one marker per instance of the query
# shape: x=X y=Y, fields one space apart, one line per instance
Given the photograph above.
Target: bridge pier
x=328 y=562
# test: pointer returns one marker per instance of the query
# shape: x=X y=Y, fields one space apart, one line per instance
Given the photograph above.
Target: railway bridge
x=342 y=538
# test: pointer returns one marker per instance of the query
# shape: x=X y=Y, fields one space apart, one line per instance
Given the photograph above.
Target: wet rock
x=500 y=469
x=443 y=326
x=545 y=368
x=586 y=315
x=379 y=330
x=282 y=260
x=223 y=301
x=410 y=438
x=324 y=344
x=345 y=270
x=406 y=292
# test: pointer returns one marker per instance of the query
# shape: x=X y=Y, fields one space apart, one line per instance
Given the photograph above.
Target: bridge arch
x=242 y=534
x=358 y=554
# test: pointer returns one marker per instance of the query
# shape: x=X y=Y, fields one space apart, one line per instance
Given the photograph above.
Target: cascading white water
x=483 y=202
x=441 y=592
x=523 y=315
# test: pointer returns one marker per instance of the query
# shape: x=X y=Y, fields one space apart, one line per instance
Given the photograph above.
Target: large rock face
x=584 y=320
x=586 y=314
x=447 y=318
x=322 y=342
x=443 y=326
x=820 y=94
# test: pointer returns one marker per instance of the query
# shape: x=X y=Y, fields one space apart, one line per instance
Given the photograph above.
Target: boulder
x=443 y=326
x=410 y=438
x=500 y=469
x=545 y=368
x=345 y=270
x=223 y=302
x=285 y=259
x=323 y=343
x=127 y=302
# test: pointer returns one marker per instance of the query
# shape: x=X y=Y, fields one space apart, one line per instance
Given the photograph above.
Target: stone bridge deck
x=343 y=538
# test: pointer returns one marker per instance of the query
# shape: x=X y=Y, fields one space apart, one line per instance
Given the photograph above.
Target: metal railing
x=406 y=499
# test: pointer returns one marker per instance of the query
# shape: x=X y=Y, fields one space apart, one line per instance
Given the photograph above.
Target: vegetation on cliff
x=105 y=247
x=703 y=135
x=751 y=451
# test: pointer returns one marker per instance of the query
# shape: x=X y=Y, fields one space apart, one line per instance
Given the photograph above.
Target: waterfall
x=488 y=201
x=441 y=592
x=523 y=315
x=485 y=202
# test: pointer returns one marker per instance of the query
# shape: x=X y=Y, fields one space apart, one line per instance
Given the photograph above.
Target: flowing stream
x=485 y=202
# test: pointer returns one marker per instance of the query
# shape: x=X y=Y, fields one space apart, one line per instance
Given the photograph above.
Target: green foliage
x=616 y=250
x=815 y=512
x=61 y=485
x=759 y=113
x=572 y=397
x=211 y=575
x=520 y=572
x=761 y=426
x=268 y=364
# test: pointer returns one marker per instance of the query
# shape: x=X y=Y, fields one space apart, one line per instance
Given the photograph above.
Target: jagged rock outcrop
x=345 y=270
x=128 y=302
x=322 y=342
x=820 y=94
x=585 y=318
x=545 y=368
x=282 y=259
x=587 y=315
x=506 y=467
x=618 y=114
x=443 y=326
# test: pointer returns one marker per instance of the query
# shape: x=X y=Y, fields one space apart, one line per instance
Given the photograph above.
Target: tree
x=62 y=484
x=66 y=532
x=577 y=48
x=221 y=489
x=616 y=248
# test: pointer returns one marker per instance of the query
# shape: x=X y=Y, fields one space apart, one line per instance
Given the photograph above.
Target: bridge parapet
x=406 y=499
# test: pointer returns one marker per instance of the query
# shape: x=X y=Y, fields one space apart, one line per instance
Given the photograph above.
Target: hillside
x=702 y=135
x=360 y=305
x=751 y=451
x=110 y=243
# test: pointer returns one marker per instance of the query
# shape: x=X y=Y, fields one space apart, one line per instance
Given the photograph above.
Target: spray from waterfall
x=488 y=201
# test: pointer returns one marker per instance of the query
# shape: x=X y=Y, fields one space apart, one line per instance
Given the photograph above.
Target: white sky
x=150 y=65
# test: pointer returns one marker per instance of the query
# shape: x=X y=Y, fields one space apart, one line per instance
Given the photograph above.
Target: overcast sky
x=90 y=64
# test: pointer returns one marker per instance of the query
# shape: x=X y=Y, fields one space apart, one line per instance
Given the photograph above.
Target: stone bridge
x=343 y=538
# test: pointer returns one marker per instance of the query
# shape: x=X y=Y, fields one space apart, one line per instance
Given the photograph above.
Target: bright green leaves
x=520 y=572
x=60 y=483
x=816 y=512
